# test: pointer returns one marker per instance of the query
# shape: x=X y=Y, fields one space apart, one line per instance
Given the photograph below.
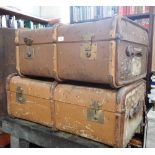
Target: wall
x=31 y=10
x=47 y=12
x=50 y=12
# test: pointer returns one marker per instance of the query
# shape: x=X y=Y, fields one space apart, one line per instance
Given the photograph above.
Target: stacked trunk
x=89 y=57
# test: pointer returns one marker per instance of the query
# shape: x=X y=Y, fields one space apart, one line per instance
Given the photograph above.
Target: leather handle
x=131 y=51
x=28 y=41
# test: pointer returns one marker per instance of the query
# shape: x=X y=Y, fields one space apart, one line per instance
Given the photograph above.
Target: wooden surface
x=23 y=132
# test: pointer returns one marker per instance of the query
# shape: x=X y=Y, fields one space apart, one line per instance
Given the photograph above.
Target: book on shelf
x=7 y=21
x=88 y=13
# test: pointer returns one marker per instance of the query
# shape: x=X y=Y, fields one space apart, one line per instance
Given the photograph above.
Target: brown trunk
x=111 y=51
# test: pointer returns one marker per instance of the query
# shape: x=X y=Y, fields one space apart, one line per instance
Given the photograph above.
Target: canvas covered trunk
x=7 y=64
x=31 y=100
x=104 y=115
x=110 y=51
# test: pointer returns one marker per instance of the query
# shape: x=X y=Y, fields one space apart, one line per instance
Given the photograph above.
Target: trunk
x=7 y=64
x=107 y=116
x=31 y=100
x=111 y=51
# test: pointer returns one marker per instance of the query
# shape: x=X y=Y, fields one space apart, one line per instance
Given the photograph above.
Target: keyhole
x=88 y=54
x=95 y=114
x=29 y=54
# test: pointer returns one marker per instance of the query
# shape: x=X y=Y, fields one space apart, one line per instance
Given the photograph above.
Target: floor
x=150 y=138
x=4 y=140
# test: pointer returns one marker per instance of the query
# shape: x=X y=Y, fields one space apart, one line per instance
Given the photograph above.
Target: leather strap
x=55 y=64
x=17 y=60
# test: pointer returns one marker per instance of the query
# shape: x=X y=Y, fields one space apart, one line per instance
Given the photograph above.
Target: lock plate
x=29 y=53
x=88 y=50
x=95 y=113
x=19 y=95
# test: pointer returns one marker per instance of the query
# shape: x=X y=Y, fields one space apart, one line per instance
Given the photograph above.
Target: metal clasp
x=29 y=49
x=88 y=48
x=29 y=52
x=95 y=113
x=28 y=41
x=19 y=95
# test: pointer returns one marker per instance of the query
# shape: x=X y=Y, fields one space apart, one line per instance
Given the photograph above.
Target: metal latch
x=29 y=49
x=95 y=113
x=88 y=48
x=28 y=41
x=19 y=95
x=29 y=52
